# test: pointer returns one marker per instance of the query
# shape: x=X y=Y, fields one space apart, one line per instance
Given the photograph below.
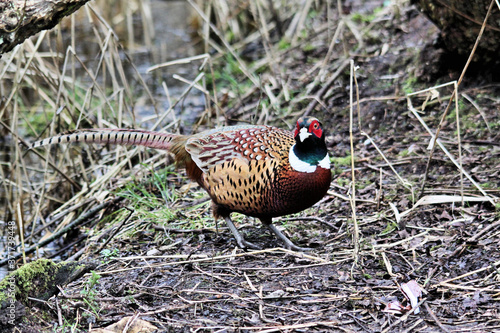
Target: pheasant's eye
x=315 y=128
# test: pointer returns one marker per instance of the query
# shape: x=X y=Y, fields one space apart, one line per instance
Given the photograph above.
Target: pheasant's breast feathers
x=245 y=142
x=241 y=185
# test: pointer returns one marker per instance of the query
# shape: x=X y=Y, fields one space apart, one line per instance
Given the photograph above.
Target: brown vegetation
x=395 y=212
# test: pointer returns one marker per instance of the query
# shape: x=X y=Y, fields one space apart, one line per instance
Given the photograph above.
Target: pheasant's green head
x=309 y=150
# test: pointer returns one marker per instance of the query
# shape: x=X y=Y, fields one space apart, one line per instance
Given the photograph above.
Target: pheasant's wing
x=245 y=143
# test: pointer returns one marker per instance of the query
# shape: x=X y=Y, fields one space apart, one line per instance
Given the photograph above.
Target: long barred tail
x=114 y=136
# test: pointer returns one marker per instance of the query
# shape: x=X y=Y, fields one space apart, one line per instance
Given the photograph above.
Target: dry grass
x=259 y=62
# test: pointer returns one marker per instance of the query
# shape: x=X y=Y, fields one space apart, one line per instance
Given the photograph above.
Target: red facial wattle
x=315 y=128
x=297 y=130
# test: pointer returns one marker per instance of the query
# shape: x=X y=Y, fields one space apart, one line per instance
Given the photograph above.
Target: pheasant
x=260 y=171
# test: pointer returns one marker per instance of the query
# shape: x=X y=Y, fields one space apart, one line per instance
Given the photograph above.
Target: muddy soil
x=199 y=280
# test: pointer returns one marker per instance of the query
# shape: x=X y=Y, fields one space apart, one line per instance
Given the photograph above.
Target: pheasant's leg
x=288 y=243
x=239 y=238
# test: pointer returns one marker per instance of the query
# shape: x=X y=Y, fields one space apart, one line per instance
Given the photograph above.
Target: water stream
x=173 y=39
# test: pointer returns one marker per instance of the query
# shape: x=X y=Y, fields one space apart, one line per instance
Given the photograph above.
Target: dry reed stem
x=81 y=110
x=228 y=47
x=443 y=148
x=454 y=96
x=478 y=108
x=59 y=81
x=205 y=258
x=459 y=140
x=352 y=196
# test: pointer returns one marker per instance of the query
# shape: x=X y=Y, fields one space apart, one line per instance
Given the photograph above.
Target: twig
x=460 y=287
x=64 y=249
x=210 y=259
x=243 y=67
x=402 y=241
x=459 y=139
x=183 y=231
x=448 y=154
x=64 y=230
x=78 y=254
x=453 y=95
x=460 y=249
x=479 y=110
x=59 y=313
x=309 y=218
x=23 y=142
x=325 y=88
x=404 y=317
x=355 y=236
x=115 y=231
x=445 y=282
x=403 y=182
x=435 y=318
x=59 y=216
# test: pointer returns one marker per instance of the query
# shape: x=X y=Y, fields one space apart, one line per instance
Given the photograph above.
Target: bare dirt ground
x=194 y=279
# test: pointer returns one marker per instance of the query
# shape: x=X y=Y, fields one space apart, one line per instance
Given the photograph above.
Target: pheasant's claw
x=239 y=238
x=294 y=247
x=288 y=243
x=247 y=245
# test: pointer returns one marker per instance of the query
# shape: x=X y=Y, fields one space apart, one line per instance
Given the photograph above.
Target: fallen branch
x=21 y=19
x=61 y=232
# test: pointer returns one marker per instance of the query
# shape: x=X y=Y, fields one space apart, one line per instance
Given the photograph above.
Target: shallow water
x=172 y=39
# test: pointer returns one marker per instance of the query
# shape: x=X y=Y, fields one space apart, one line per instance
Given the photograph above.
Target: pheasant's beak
x=303 y=134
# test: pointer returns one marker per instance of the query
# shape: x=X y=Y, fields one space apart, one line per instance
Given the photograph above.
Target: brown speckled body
x=264 y=189
x=244 y=169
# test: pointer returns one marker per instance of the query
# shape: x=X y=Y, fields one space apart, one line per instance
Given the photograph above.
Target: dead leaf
x=136 y=325
x=444 y=216
x=412 y=291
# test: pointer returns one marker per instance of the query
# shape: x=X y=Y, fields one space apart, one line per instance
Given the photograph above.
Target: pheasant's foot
x=247 y=245
x=288 y=243
x=294 y=247
x=238 y=237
